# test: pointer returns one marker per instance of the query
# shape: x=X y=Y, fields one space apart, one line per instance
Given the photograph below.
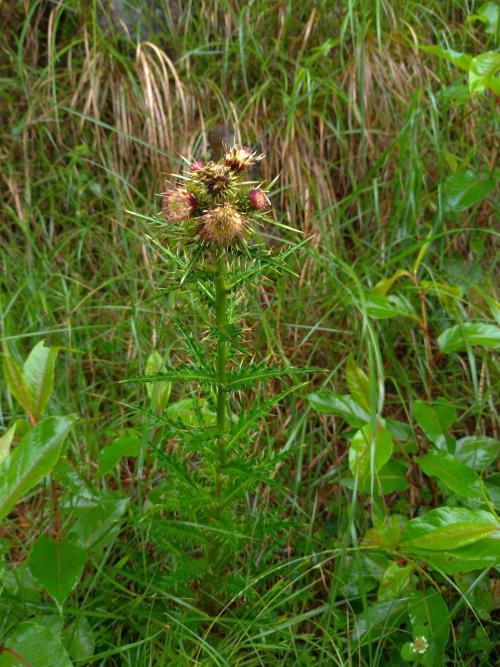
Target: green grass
x=351 y=113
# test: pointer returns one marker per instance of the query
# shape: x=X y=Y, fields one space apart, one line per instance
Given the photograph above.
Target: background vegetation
x=387 y=152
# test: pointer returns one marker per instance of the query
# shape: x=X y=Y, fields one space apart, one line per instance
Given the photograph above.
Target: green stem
x=221 y=322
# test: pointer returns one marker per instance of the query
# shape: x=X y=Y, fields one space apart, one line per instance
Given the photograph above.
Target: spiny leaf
x=249 y=375
x=243 y=426
x=192 y=344
x=187 y=373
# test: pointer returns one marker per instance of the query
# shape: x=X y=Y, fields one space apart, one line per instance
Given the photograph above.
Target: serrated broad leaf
x=452 y=473
x=460 y=336
x=57 y=565
x=32 y=460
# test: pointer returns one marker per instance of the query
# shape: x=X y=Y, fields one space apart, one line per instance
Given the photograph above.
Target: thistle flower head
x=178 y=205
x=222 y=225
x=216 y=177
x=215 y=203
x=258 y=199
x=240 y=158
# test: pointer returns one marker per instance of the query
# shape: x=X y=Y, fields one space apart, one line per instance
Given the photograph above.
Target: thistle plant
x=208 y=235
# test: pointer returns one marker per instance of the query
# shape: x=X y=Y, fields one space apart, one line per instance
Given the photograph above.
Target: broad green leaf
x=459 y=336
x=36 y=645
x=480 y=555
x=477 y=451
x=391 y=477
x=461 y=60
x=447 y=528
x=126 y=444
x=383 y=307
x=158 y=392
x=57 y=565
x=384 y=285
x=38 y=371
x=493 y=487
x=16 y=383
x=488 y=15
x=358 y=383
x=32 y=460
x=326 y=402
x=464 y=189
x=6 y=441
x=452 y=473
x=362 y=446
x=434 y=419
x=429 y=616
x=98 y=525
x=191 y=412
x=79 y=640
x=395 y=582
x=483 y=73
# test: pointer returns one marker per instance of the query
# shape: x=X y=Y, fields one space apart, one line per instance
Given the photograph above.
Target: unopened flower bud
x=222 y=225
x=258 y=199
x=178 y=205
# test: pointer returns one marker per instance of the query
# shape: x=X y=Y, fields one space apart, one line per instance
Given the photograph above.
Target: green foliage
x=57 y=565
x=386 y=158
x=32 y=460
